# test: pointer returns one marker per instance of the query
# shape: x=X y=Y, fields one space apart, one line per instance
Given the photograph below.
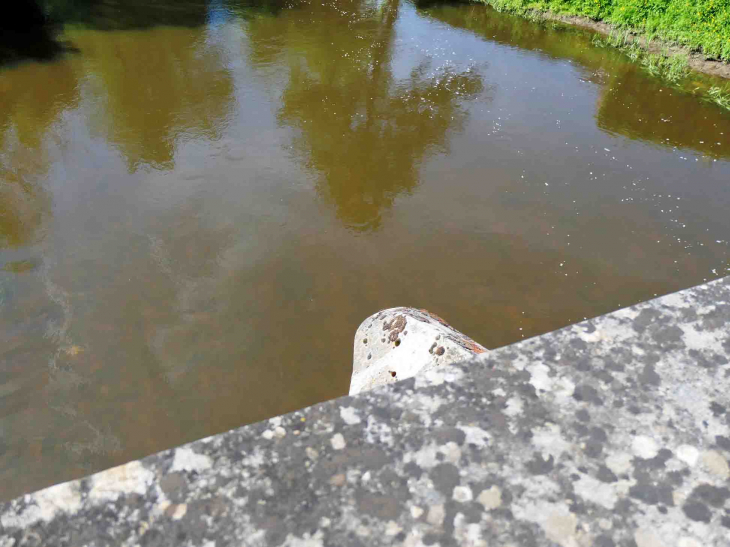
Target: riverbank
x=701 y=37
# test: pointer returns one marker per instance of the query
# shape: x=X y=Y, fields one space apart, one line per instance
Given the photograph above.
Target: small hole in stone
x=365 y=341
x=392 y=373
x=397 y=342
x=369 y=355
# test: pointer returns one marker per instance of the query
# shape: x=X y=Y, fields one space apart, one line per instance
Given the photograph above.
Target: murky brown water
x=194 y=218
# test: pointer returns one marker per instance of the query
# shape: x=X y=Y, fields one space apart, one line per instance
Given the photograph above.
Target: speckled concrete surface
x=613 y=432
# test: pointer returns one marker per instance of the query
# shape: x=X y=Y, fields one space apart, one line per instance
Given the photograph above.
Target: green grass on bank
x=702 y=25
x=670 y=67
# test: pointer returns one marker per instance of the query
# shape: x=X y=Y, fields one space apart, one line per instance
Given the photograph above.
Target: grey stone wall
x=611 y=432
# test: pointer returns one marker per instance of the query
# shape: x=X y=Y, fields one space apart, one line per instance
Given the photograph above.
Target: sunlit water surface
x=201 y=201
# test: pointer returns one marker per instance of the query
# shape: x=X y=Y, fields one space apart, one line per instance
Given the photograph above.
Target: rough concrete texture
x=612 y=432
x=397 y=343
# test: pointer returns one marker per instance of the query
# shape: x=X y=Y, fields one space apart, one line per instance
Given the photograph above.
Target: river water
x=201 y=201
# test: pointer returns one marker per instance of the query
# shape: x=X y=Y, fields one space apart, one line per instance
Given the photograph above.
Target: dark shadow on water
x=27 y=35
x=142 y=14
x=36 y=44
x=29 y=30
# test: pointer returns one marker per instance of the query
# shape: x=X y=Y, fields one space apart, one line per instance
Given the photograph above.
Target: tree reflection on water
x=362 y=130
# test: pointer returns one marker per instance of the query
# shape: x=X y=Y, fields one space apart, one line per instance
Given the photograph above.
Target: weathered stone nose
x=398 y=343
